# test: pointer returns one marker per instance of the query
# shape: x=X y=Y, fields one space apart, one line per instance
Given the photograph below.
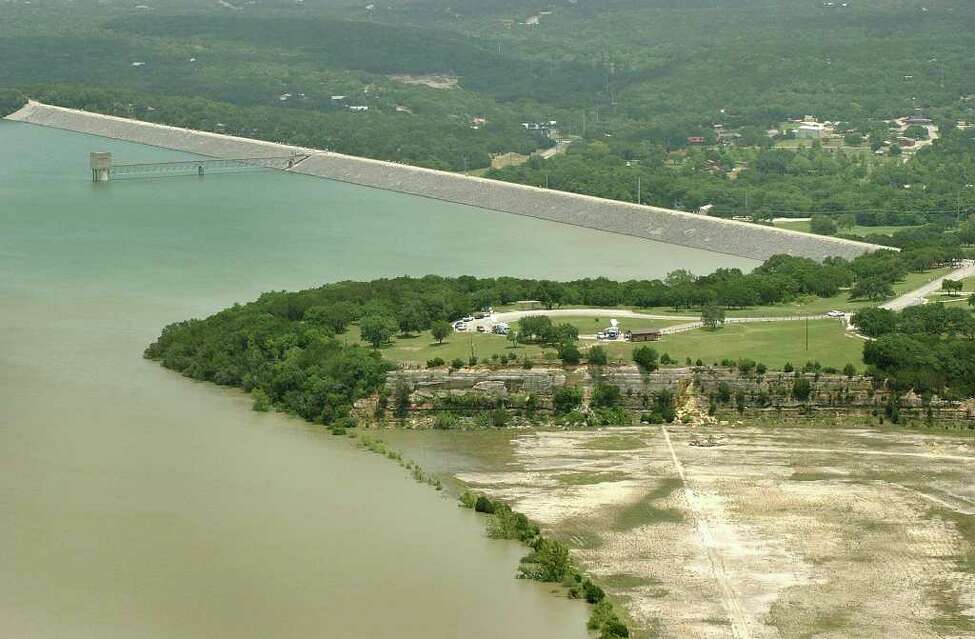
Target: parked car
x=460 y=327
x=481 y=328
x=836 y=314
x=469 y=318
x=480 y=315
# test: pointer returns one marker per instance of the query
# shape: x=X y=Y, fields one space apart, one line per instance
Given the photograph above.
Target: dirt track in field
x=794 y=532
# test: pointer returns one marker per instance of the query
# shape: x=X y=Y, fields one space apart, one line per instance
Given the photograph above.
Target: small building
x=358 y=107
x=695 y=139
x=811 y=131
x=706 y=209
x=643 y=335
x=528 y=305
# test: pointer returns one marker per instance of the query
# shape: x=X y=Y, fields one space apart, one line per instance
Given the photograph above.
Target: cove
x=134 y=502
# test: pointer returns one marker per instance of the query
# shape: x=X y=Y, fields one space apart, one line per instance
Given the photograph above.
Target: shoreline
x=691 y=230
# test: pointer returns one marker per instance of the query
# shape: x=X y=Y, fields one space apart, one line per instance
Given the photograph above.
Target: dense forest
x=449 y=84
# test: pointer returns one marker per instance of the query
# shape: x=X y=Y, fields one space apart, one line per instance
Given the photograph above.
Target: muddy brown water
x=135 y=503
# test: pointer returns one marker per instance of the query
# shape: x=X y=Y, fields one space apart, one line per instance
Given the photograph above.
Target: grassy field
x=862 y=231
x=773 y=344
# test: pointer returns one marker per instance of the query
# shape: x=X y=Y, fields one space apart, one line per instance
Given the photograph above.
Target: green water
x=135 y=503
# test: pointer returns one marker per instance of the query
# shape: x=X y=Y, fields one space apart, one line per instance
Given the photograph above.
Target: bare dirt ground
x=432 y=81
x=776 y=533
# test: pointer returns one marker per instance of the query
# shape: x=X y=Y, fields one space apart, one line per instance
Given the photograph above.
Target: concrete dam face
x=664 y=225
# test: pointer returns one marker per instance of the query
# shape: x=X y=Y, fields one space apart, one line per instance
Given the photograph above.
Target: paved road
x=918 y=295
x=689 y=323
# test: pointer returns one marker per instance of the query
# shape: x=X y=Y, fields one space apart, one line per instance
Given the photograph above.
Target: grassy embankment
x=861 y=231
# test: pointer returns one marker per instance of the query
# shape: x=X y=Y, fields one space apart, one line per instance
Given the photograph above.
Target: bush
x=788 y=367
x=548 y=562
x=484 y=505
x=801 y=389
x=850 y=370
x=724 y=393
x=566 y=399
x=457 y=364
x=262 y=403
x=605 y=396
x=592 y=593
x=597 y=356
x=445 y=421
x=472 y=361
x=569 y=353
x=436 y=362
x=646 y=358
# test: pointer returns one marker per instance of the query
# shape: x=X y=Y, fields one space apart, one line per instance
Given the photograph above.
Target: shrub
x=566 y=399
x=788 y=367
x=262 y=403
x=457 y=364
x=605 y=396
x=646 y=358
x=445 y=421
x=801 y=389
x=569 y=353
x=436 y=362
x=597 y=356
x=484 y=505
x=548 y=562
x=724 y=393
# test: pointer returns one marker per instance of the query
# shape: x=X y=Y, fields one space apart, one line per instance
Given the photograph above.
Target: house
x=358 y=107
x=916 y=119
x=706 y=209
x=695 y=139
x=643 y=335
x=906 y=142
x=811 y=131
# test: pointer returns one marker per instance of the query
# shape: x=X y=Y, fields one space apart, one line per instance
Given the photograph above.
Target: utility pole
x=639 y=200
x=807 y=334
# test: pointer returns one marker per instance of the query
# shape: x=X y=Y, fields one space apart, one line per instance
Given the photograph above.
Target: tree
x=711 y=316
x=377 y=329
x=952 y=287
x=513 y=337
x=412 y=317
x=441 y=330
x=874 y=322
x=872 y=288
x=822 y=225
x=646 y=358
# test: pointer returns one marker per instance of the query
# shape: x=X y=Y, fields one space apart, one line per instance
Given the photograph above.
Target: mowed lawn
x=861 y=231
x=772 y=343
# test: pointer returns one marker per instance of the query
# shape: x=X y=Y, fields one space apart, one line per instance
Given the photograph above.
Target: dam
x=741 y=239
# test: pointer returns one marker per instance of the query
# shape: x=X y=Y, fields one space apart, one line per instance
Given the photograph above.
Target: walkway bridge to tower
x=103 y=169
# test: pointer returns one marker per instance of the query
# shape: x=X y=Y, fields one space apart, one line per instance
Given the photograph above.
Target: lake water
x=135 y=503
